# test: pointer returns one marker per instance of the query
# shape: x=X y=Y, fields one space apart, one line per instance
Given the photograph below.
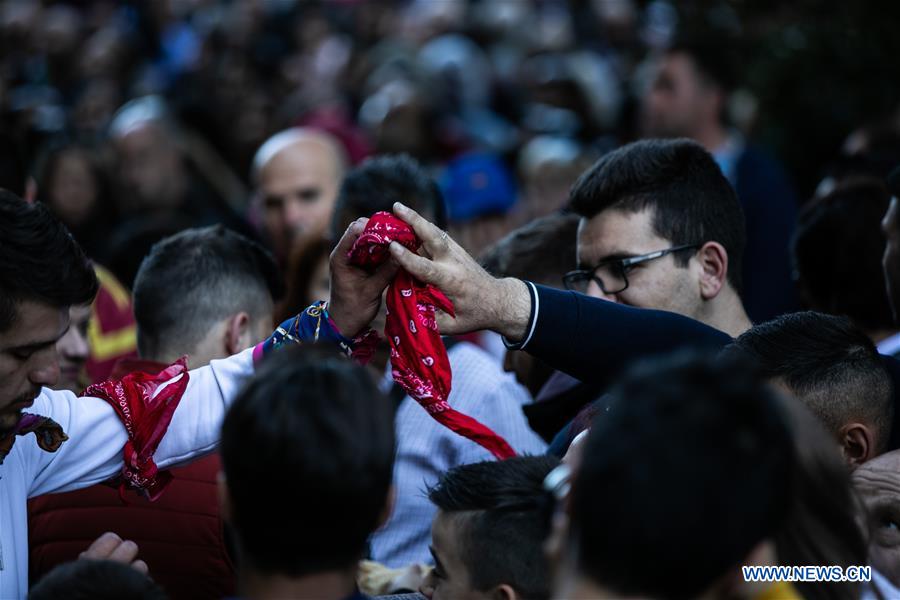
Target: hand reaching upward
x=480 y=300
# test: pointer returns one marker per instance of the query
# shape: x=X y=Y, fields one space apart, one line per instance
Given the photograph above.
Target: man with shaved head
x=297 y=173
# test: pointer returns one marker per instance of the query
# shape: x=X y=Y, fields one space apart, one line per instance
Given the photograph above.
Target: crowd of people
x=452 y=299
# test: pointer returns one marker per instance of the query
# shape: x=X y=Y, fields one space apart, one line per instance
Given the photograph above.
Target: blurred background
x=528 y=91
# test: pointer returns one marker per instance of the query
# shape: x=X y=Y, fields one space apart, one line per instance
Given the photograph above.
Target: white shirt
x=93 y=452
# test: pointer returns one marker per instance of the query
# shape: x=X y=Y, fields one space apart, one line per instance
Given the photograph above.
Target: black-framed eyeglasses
x=612 y=275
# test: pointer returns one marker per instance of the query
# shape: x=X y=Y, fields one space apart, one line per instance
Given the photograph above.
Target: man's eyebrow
x=437 y=560
x=614 y=256
x=617 y=256
x=38 y=345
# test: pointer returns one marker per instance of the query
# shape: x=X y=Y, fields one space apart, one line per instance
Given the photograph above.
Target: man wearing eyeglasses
x=661 y=228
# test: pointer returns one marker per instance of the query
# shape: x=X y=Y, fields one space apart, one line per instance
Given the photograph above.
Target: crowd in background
x=213 y=158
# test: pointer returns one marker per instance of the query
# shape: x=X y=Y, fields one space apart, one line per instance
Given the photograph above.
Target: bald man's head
x=878 y=484
x=297 y=174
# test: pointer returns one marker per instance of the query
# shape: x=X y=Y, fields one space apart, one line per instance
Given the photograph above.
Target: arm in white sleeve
x=93 y=452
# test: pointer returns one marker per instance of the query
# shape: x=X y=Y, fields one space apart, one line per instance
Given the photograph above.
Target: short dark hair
x=688 y=472
x=377 y=183
x=836 y=252
x=541 y=251
x=308 y=452
x=506 y=521
x=195 y=278
x=96 y=579
x=39 y=260
x=831 y=366
x=692 y=202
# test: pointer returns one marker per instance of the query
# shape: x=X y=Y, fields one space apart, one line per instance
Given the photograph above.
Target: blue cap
x=477 y=184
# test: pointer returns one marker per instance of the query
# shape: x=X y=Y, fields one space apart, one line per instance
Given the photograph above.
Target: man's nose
x=76 y=346
x=427 y=587
x=295 y=215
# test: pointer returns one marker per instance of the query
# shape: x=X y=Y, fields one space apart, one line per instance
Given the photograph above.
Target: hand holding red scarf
x=418 y=356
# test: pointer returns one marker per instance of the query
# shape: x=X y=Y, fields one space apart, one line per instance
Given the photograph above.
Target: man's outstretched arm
x=589 y=338
x=94 y=450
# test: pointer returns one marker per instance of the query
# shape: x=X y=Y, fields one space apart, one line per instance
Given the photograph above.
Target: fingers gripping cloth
x=418 y=357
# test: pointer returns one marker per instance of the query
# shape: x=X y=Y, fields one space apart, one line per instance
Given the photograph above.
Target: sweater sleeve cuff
x=532 y=320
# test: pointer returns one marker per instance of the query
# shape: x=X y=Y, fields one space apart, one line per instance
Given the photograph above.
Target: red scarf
x=418 y=357
x=146 y=418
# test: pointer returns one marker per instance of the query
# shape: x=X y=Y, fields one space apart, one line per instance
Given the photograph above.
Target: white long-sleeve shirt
x=93 y=452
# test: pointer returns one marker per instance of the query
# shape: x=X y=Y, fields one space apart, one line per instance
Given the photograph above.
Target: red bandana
x=418 y=356
x=146 y=418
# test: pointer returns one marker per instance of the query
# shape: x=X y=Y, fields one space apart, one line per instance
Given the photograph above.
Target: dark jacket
x=595 y=341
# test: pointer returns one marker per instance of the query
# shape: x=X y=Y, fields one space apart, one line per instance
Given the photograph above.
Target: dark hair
x=831 y=366
x=506 y=521
x=692 y=202
x=95 y=579
x=379 y=182
x=195 y=278
x=541 y=251
x=308 y=452
x=836 y=253
x=306 y=252
x=39 y=260
x=687 y=472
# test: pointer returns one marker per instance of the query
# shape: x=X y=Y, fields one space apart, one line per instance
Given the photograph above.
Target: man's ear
x=713 y=261
x=504 y=592
x=224 y=497
x=857 y=443
x=237 y=333
x=388 y=507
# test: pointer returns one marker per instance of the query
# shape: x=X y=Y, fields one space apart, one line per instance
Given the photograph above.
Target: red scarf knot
x=146 y=419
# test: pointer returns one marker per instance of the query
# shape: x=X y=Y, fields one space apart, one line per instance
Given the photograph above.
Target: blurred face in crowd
x=659 y=283
x=73 y=189
x=680 y=101
x=878 y=484
x=320 y=283
x=298 y=187
x=450 y=578
x=149 y=166
x=73 y=349
x=891 y=261
x=28 y=357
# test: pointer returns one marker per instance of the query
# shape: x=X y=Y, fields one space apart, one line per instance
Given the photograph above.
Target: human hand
x=355 y=292
x=109 y=546
x=480 y=300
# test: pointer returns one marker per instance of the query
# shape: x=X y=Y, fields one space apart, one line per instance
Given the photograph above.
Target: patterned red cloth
x=146 y=419
x=418 y=357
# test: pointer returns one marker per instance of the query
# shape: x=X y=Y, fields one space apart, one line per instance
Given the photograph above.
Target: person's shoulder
x=467 y=360
x=49 y=401
x=459 y=351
